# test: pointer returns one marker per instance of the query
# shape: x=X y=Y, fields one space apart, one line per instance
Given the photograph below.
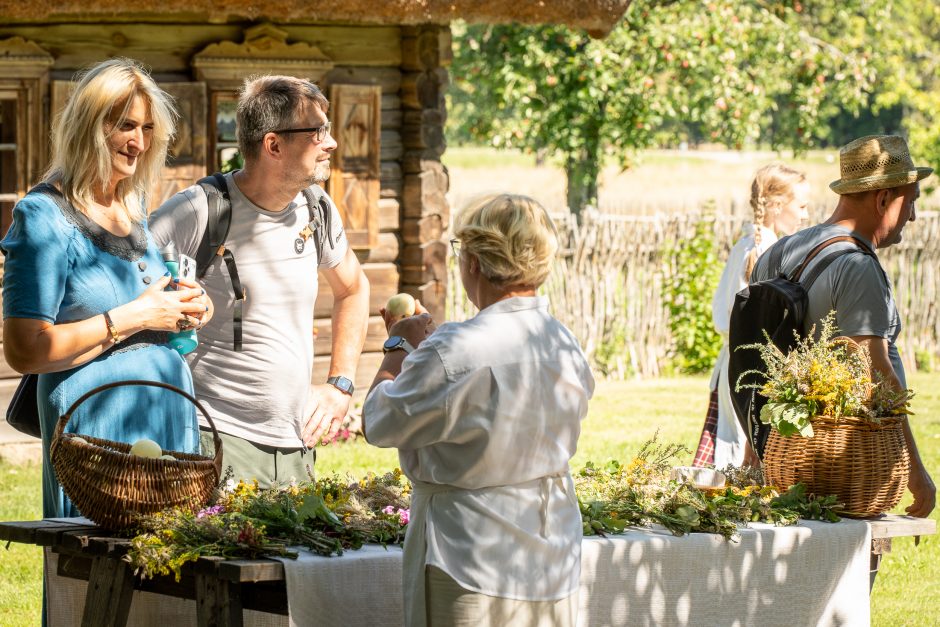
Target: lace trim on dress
x=130 y=248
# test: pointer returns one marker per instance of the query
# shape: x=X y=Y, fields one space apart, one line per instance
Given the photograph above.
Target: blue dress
x=62 y=267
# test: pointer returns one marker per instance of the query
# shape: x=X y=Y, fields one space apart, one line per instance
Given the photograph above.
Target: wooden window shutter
x=355 y=113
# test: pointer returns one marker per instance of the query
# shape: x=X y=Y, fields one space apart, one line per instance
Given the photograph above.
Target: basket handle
x=64 y=419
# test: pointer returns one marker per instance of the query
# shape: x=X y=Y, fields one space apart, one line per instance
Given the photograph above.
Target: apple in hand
x=400 y=306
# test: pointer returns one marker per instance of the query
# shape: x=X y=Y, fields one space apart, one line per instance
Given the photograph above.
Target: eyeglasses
x=455 y=246
x=318 y=133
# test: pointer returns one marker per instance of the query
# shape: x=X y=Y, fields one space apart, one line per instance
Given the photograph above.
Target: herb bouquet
x=833 y=427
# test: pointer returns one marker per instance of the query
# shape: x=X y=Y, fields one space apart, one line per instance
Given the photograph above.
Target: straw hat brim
x=881 y=181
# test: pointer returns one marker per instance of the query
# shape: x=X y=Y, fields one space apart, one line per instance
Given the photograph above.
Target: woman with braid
x=779 y=196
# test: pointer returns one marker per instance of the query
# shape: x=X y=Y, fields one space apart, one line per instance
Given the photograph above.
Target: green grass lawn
x=623 y=415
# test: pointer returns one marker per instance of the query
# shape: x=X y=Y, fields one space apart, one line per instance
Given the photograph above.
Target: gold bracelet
x=115 y=338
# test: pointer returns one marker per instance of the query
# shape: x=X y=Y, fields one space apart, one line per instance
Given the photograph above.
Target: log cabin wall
x=401 y=249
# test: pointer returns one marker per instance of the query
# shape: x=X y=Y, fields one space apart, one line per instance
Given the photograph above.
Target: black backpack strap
x=212 y=244
x=796 y=274
x=321 y=218
x=218 y=221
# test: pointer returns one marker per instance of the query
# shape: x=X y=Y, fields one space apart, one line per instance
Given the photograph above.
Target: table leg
x=879 y=546
x=110 y=589
x=218 y=602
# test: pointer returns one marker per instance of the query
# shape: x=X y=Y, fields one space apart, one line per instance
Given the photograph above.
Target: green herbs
x=326 y=516
x=641 y=493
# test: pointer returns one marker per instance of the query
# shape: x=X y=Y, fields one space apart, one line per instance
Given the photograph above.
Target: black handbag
x=23 y=411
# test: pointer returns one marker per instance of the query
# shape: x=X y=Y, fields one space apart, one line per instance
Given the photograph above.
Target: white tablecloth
x=810 y=574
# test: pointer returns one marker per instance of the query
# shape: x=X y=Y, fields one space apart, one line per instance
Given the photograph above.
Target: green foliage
x=728 y=71
x=235 y=162
x=689 y=287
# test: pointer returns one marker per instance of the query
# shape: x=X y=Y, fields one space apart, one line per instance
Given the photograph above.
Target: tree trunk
x=582 y=170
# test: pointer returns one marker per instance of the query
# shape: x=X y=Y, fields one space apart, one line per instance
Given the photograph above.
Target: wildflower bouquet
x=641 y=493
x=830 y=376
x=325 y=516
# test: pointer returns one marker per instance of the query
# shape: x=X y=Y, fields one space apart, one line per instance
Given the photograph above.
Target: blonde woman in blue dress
x=84 y=300
x=779 y=199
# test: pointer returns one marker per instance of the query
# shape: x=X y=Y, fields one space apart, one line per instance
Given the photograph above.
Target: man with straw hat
x=878 y=186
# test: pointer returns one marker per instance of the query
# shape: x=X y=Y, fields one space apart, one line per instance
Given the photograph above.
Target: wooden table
x=222 y=589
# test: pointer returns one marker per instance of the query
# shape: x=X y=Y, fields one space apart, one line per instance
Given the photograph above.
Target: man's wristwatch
x=342 y=384
x=395 y=343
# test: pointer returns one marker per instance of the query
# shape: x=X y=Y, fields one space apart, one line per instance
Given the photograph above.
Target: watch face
x=392 y=343
x=341 y=383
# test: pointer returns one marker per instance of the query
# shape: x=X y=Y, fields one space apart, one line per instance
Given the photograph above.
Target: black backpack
x=219 y=220
x=776 y=307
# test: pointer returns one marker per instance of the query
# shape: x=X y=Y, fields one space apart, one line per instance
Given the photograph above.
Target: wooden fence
x=609 y=281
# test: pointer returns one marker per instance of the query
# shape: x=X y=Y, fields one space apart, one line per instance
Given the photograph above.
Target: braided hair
x=771 y=189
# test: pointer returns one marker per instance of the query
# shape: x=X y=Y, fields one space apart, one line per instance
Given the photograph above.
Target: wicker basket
x=864 y=464
x=113 y=488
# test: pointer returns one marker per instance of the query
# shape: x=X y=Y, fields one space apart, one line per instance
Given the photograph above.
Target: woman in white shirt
x=486 y=415
x=779 y=197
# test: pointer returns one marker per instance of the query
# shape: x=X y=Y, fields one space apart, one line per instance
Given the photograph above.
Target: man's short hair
x=268 y=103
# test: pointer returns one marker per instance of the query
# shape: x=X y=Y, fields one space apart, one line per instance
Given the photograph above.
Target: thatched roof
x=595 y=16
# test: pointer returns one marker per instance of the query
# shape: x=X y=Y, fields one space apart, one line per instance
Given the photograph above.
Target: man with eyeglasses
x=259 y=393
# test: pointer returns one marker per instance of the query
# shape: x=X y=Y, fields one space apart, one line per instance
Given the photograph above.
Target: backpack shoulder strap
x=212 y=244
x=218 y=221
x=817 y=270
x=321 y=218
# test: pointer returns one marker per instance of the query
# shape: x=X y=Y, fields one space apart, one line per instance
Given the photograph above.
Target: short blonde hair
x=81 y=157
x=513 y=238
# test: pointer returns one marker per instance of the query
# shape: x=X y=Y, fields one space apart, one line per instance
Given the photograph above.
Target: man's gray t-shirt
x=854 y=285
x=260 y=393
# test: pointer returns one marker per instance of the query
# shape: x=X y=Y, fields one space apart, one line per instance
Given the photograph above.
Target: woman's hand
x=420 y=311
x=159 y=310
x=203 y=318
x=414 y=328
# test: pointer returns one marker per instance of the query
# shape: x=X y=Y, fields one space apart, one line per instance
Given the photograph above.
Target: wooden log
x=426 y=193
x=375 y=335
x=420 y=230
x=110 y=589
x=433 y=295
x=427 y=49
x=432 y=256
x=368 y=365
x=383 y=282
x=424 y=130
x=391 y=118
x=386 y=250
x=389 y=218
x=389 y=79
x=391 y=180
x=416 y=161
x=168 y=48
x=390 y=146
x=424 y=90
x=218 y=601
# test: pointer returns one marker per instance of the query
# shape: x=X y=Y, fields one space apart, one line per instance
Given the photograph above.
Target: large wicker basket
x=114 y=488
x=864 y=464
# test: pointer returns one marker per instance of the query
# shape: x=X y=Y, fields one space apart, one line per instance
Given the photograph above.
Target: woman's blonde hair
x=81 y=156
x=512 y=236
x=771 y=189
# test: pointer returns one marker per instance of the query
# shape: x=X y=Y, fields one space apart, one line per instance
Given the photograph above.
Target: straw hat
x=876 y=162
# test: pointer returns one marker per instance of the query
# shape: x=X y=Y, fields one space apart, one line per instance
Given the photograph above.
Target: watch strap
x=343 y=384
x=401 y=344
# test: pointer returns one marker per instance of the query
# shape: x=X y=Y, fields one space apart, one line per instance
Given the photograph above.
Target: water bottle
x=183 y=341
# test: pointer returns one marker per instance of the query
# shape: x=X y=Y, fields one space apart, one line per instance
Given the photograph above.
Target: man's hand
x=328 y=409
x=925 y=492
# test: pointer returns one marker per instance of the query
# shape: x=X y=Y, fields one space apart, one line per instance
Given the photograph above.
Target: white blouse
x=486 y=415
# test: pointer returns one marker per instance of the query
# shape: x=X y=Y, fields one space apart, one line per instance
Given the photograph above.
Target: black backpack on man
x=218 y=222
x=774 y=309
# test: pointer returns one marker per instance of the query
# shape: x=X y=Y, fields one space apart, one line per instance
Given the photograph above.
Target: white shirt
x=260 y=393
x=486 y=415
